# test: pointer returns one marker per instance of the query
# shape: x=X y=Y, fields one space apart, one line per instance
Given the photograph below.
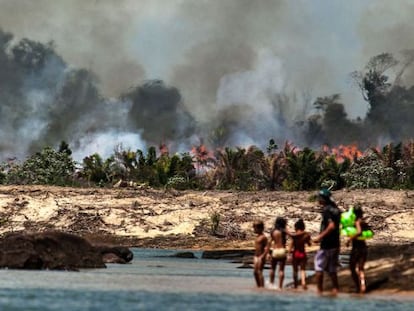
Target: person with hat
x=327 y=257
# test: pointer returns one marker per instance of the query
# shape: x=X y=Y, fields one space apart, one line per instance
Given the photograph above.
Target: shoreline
x=389 y=268
x=182 y=220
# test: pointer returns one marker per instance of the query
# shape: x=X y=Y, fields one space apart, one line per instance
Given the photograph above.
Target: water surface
x=154 y=281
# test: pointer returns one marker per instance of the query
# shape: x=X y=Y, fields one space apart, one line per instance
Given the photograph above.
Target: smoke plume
x=234 y=72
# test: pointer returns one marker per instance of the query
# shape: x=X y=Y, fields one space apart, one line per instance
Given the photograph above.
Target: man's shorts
x=327 y=260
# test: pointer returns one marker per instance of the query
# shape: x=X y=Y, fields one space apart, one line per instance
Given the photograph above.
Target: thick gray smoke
x=389 y=28
x=137 y=72
x=96 y=35
x=44 y=101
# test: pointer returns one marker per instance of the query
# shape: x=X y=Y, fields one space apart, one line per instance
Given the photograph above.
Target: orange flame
x=163 y=149
x=343 y=152
x=201 y=154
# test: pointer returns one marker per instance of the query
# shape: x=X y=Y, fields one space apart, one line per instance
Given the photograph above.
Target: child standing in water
x=359 y=251
x=260 y=252
x=278 y=253
x=297 y=247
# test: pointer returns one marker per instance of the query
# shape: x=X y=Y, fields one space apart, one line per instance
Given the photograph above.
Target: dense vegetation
x=287 y=168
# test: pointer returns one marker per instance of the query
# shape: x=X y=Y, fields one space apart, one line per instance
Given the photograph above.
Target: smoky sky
x=251 y=67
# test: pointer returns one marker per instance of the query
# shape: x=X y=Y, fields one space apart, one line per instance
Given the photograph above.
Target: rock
x=113 y=258
x=233 y=254
x=245 y=265
x=184 y=255
x=120 y=184
x=52 y=250
x=108 y=252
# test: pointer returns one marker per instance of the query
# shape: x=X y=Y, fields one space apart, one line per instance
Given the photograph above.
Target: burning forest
x=287 y=168
x=45 y=101
x=229 y=96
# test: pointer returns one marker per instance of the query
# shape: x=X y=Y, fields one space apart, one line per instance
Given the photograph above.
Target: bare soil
x=144 y=217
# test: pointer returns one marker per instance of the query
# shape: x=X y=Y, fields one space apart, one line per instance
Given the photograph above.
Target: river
x=156 y=281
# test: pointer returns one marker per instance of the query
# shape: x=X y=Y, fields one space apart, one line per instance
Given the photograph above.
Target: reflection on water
x=155 y=281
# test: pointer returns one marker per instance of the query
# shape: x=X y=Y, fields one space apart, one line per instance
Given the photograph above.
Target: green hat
x=324 y=193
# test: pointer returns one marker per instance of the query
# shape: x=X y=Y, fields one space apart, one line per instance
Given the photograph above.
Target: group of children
x=276 y=250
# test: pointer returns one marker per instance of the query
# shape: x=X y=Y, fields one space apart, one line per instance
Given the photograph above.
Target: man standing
x=327 y=257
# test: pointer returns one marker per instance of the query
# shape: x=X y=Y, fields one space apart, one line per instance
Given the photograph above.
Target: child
x=278 y=252
x=359 y=251
x=260 y=253
x=297 y=247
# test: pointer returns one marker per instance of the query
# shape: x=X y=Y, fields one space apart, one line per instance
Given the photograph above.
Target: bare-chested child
x=297 y=247
x=260 y=252
x=278 y=252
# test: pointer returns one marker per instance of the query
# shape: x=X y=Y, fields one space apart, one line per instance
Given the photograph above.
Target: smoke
x=98 y=143
x=256 y=95
x=88 y=34
x=45 y=101
x=158 y=110
x=392 y=32
x=233 y=72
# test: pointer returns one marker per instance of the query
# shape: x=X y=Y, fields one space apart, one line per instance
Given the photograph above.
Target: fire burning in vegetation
x=342 y=152
x=287 y=168
x=45 y=100
x=202 y=156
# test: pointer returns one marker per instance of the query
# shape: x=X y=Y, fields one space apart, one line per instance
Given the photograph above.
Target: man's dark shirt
x=330 y=213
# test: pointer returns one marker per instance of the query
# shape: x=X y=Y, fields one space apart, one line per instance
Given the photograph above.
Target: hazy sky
x=127 y=41
x=318 y=41
x=220 y=52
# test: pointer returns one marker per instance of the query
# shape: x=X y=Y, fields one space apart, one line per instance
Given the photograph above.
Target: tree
x=373 y=82
x=94 y=169
x=154 y=103
x=303 y=170
x=277 y=165
x=47 y=167
x=332 y=170
x=33 y=55
x=227 y=163
x=336 y=127
x=369 y=172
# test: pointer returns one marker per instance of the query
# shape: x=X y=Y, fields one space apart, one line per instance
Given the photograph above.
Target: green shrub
x=47 y=167
x=369 y=172
x=215 y=218
x=177 y=182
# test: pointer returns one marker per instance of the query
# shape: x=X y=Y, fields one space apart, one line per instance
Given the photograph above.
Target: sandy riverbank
x=144 y=217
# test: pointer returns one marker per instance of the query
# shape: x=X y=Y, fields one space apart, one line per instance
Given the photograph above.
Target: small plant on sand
x=177 y=182
x=231 y=231
x=215 y=218
x=3 y=173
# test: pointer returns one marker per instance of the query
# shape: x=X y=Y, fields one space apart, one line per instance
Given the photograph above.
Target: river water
x=155 y=281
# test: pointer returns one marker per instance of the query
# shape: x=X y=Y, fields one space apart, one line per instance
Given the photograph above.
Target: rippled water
x=156 y=282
